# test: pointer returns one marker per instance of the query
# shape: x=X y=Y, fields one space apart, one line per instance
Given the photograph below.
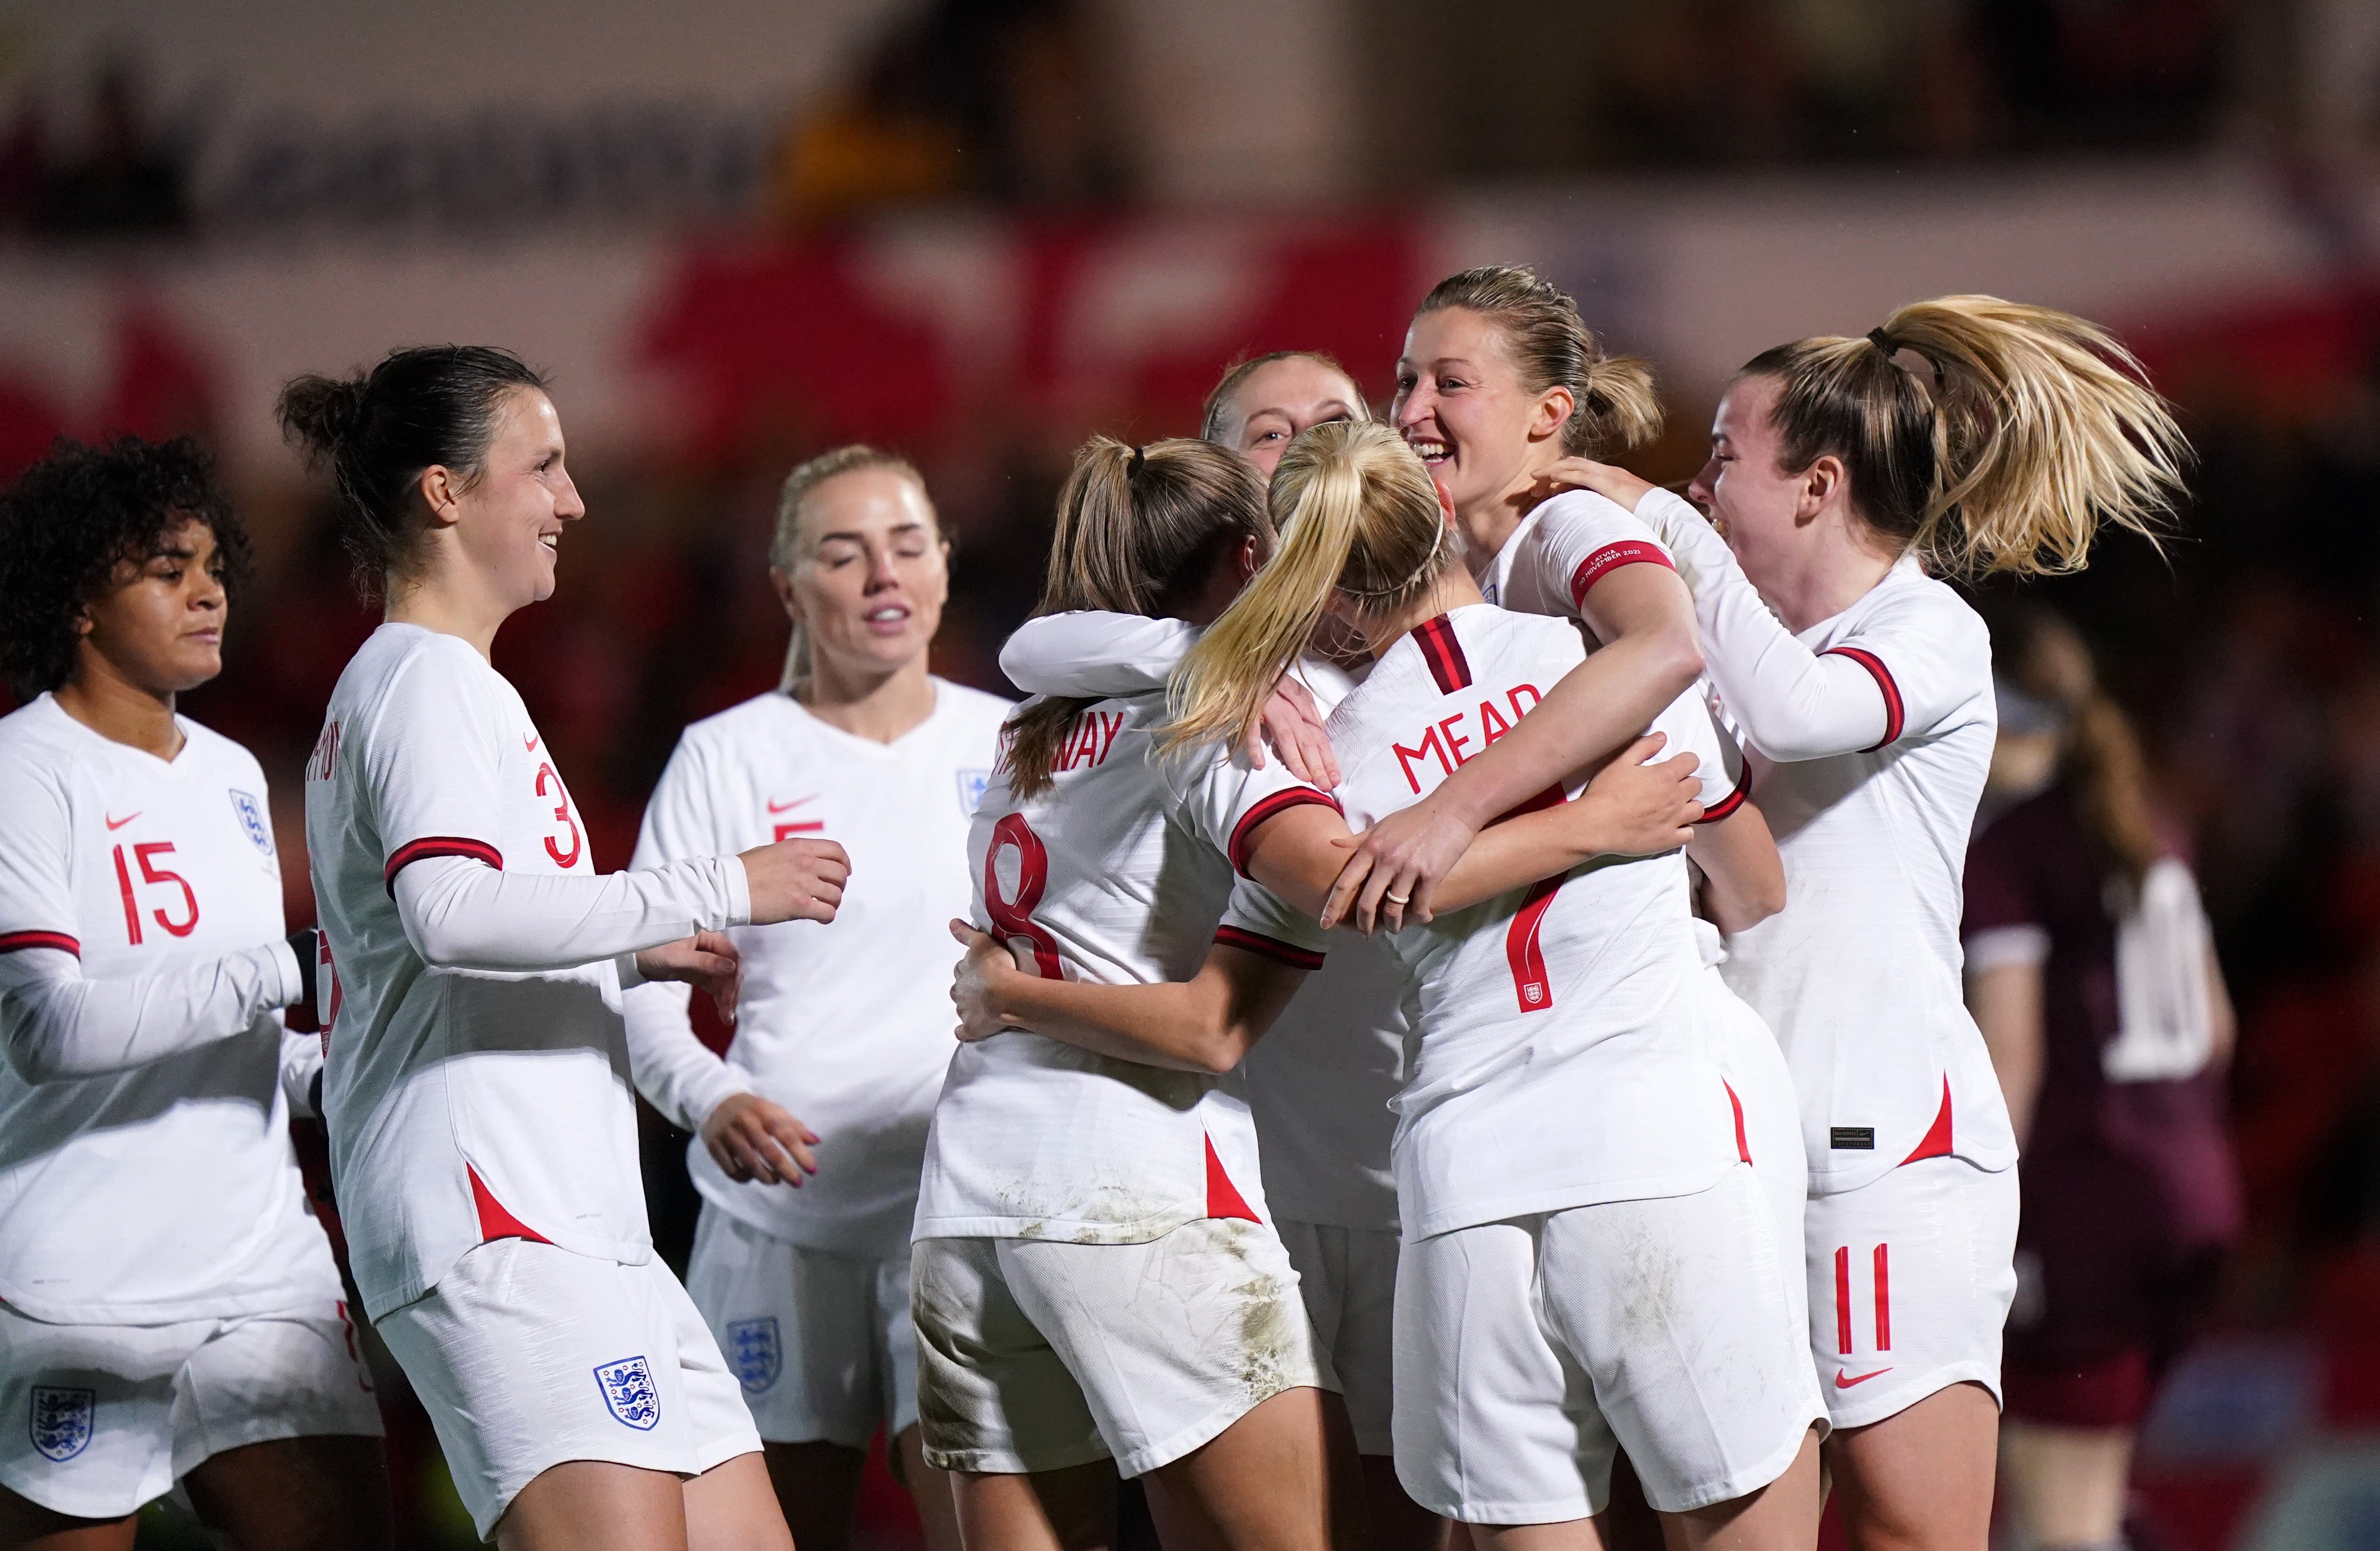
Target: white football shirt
x=1558 y=1045
x=474 y=1095
x=847 y=1026
x=1869 y=734
x=149 y=1178
x=1117 y=873
x=1321 y=1079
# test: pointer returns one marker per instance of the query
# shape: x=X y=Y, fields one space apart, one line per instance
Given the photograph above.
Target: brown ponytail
x=1139 y=532
x=2099 y=758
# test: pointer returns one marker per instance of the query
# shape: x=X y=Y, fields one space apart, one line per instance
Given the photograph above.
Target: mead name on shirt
x=1454 y=741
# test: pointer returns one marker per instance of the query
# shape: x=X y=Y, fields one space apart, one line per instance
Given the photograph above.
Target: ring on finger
x=1399 y=898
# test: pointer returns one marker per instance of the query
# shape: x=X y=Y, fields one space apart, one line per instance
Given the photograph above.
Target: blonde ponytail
x=1357 y=515
x=1139 y=530
x=2051 y=430
x=2035 y=427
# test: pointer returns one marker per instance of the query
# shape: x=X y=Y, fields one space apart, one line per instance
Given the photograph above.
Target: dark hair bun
x=322 y=413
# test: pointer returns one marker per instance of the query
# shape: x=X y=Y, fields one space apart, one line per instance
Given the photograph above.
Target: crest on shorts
x=754 y=1352
x=971 y=785
x=251 y=820
x=628 y=1389
x=60 y=1420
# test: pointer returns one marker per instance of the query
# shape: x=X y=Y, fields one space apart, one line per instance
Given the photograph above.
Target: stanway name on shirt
x=1446 y=741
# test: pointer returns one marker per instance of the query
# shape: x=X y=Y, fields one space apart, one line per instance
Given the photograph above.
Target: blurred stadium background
x=737 y=232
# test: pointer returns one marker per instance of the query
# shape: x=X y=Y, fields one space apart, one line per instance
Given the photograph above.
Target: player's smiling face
x=512 y=517
x=1460 y=404
x=1756 y=504
x=158 y=622
x=1280 y=398
x=873 y=572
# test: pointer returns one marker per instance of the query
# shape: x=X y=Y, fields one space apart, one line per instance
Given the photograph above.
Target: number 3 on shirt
x=561 y=815
x=1014 y=917
x=151 y=873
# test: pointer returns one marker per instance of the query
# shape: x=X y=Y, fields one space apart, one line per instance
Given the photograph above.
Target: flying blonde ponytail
x=1357 y=515
x=2035 y=427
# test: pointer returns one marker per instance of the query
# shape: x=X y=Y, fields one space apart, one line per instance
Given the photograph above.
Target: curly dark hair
x=71 y=518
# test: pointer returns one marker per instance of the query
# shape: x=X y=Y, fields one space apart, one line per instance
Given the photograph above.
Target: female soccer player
x=807 y=1290
x=1565 y=1139
x=1862 y=687
x=1262 y=402
x=1094 y=1276
x=482 y=1126
x=171 y=1309
x=2109 y=1028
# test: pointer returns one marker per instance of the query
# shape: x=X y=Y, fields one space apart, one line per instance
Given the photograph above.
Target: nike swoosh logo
x=529 y=744
x=786 y=807
x=1845 y=1381
x=119 y=823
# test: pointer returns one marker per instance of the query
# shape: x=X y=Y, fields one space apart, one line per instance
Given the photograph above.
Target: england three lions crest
x=629 y=1391
x=252 y=822
x=754 y=1352
x=61 y=1421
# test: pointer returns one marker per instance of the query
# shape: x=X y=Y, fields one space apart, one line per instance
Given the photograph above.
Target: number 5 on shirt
x=151 y=873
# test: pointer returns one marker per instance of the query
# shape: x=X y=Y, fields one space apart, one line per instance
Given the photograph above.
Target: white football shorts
x=1529 y=1349
x=821 y=1343
x=1036 y=1356
x=96 y=1420
x=1768 y=1113
x=1910 y=1279
x=1348 y=1277
x=526 y=1355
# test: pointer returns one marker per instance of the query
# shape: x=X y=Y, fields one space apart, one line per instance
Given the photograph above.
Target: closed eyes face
x=1282 y=398
x=159 y=619
x=1753 y=502
x=874 y=571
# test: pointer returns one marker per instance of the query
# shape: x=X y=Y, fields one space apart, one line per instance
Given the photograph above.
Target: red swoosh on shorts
x=1844 y=1381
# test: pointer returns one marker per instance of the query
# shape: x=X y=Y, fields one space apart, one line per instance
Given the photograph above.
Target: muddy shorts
x=1530 y=1351
x=1037 y=1356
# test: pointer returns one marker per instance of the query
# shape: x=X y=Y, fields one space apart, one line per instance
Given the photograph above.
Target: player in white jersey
x=477 y=1076
x=1565 y=1136
x=169 y=1310
x=1096 y=1277
x=1862 y=687
x=846 y=1028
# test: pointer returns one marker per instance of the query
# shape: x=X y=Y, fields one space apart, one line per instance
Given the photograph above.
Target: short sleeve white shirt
x=1122 y=872
x=167 y=1192
x=847 y=1026
x=1558 y=1052
x=463 y=1105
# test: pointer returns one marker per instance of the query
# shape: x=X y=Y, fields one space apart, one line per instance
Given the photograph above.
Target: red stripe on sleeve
x=1611 y=558
x=11 y=942
x=1273 y=948
x=413 y=851
x=1893 y=710
x=1732 y=801
x=1444 y=654
x=1244 y=832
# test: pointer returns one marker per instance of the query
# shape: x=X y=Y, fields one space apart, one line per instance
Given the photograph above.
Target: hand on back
x=1640 y=808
